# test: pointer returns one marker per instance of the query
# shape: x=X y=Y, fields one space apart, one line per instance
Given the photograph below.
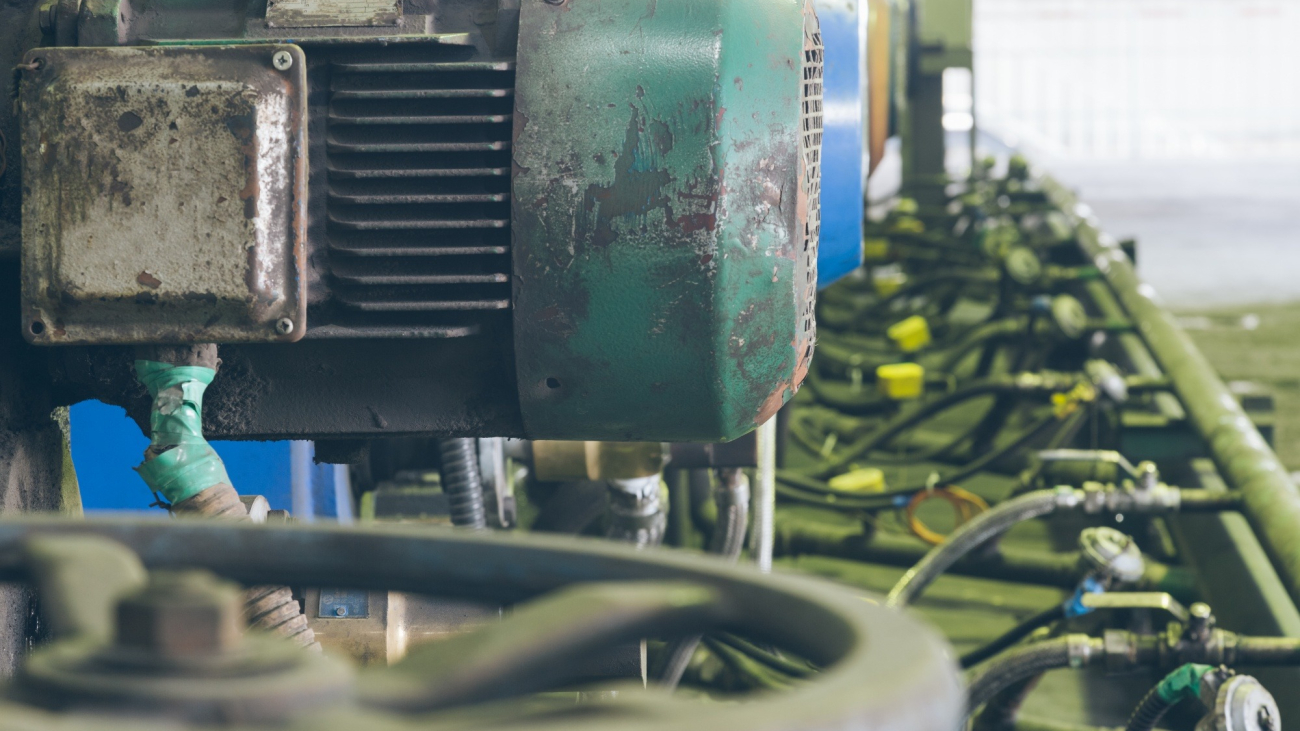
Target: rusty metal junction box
x=165 y=194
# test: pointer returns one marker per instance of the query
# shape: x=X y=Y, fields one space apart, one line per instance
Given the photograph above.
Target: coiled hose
x=969 y=536
x=1017 y=664
x=1183 y=683
x=732 y=499
x=462 y=483
x=268 y=608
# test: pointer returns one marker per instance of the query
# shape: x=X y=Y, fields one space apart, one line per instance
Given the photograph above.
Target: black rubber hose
x=1019 y=663
x=1002 y=712
x=809 y=490
x=771 y=659
x=1208 y=501
x=984 y=334
x=1014 y=635
x=728 y=540
x=1268 y=651
x=906 y=421
x=462 y=483
x=912 y=288
x=1149 y=712
x=971 y=535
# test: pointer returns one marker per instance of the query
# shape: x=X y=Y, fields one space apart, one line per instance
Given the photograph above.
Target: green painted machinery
x=591 y=219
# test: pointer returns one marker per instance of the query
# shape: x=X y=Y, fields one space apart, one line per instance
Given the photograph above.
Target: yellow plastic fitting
x=900 y=381
x=875 y=249
x=910 y=335
x=862 y=479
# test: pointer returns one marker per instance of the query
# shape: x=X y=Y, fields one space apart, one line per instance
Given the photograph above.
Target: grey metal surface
x=165 y=194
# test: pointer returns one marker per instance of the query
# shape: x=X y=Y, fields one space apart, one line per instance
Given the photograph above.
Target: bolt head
x=282 y=60
x=1200 y=610
x=284 y=326
x=181 y=615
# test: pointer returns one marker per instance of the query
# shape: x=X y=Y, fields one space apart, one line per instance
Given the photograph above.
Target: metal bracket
x=1090 y=455
x=1159 y=601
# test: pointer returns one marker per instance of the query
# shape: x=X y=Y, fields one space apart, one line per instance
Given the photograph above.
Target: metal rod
x=343 y=495
x=765 y=496
x=1272 y=502
x=300 y=479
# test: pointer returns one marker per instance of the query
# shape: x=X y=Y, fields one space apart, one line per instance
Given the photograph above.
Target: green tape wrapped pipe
x=1185 y=682
x=179 y=462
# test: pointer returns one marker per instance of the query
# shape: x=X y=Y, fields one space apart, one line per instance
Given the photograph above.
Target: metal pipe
x=301 y=499
x=765 y=496
x=1272 y=502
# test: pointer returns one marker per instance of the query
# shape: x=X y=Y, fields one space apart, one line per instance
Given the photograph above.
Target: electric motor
x=563 y=219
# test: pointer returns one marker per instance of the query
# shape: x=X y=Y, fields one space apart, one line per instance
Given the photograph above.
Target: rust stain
x=242 y=127
x=148 y=280
x=785 y=390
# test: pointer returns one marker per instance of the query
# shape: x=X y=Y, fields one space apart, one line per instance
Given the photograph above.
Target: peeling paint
x=658 y=240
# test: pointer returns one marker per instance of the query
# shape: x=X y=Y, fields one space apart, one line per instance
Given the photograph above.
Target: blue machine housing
x=844 y=153
x=107 y=445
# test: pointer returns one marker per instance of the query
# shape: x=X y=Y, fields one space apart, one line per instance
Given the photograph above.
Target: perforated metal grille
x=418 y=158
x=810 y=173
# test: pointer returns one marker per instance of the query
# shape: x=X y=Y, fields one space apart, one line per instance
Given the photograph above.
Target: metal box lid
x=164 y=194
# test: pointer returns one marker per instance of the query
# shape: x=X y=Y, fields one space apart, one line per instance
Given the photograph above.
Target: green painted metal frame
x=1249 y=565
x=659 y=215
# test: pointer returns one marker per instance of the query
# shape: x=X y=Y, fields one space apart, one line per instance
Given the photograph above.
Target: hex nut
x=180 y=615
x=282 y=60
x=284 y=326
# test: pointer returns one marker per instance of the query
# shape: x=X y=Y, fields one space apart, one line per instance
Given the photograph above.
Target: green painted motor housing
x=561 y=219
x=665 y=215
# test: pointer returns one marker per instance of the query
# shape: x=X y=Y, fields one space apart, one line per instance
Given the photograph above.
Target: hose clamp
x=1067 y=497
x=1080 y=650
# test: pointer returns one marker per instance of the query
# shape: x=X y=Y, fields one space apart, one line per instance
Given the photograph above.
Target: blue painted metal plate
x=844 y=154
x=344 y=603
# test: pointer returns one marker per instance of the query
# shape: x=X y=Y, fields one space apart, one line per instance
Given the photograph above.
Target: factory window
x=1126 y=80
